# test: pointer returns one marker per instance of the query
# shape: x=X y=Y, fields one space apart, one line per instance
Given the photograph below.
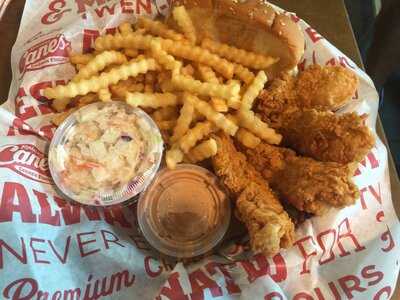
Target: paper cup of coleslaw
x=105 y=153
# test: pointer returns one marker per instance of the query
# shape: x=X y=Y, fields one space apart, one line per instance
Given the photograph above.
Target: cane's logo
x=26 y=160
x=50 y=52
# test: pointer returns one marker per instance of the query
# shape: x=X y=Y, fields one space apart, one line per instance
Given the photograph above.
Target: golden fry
x=185 y=23
x=208 y=75
x=203 y=151
x=217 y=118
x=124 y=86
x=165 y=124
x=149 y=81
x=197 y=133
x=254 y=124
x=158 y=28
x=60 y=104
x=81 y=59
x=125 y=28
x=230 y=91
x=219 y=104
x=176 y=48
x=243 y=57
x=96 y=83
x=79 y=66
x=188 y=70
x=162 y=57
x=247 y=138
x=98 y=63
x=57 y=119
x=104 y=95
x=199 y=55
x=234 y=102
x=253 y=90
x=151 y=100
x=86 y=99
x=184 y=120
x=166 y=113
x=118 y=41
x=243 y=73
x=173 y=157
x=131 y=53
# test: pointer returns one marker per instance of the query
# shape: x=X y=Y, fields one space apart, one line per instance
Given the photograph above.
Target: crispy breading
x=326 y=88
x=231 y=166
x=322 y=88
x=327 y=137
x=278 y=100
x=270 y=227
x=307 y=184
x=319 y=134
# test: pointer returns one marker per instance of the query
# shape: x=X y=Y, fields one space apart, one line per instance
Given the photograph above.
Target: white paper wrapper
x=51 y=249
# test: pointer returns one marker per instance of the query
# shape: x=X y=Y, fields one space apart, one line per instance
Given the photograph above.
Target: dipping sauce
x=185 y=212
x=105 y=153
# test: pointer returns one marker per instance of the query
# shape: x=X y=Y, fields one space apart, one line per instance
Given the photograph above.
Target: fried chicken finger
x=270 y=227
x=307 y=184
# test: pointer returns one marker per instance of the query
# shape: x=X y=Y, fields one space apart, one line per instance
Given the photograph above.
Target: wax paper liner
x=53 y=249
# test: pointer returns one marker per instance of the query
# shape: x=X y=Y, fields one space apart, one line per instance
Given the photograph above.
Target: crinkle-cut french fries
x=188 y=70
x=166 y=113
x=203 y=151
x=250 y=121
x=162 y=57
x=149 y=81
x=58 y=118
x=247 y=138
x=118 y=41
x=184 y=120
x=104 y=95
x=253 y=90
x=176 y=48
x=98 y=63
x=243 y=73
x=234 y=102
x=219 y=104
x=195 y=134
x=197 y=117
x=217 y=118
x=96 y=83
x=208 y=75
x=131 y=53
x=165 y=124
x=173 y=157
x=86 y=99
x=185 y=23
x=60 y=104
x=124 y=86
x=243 y=57
x=78 y=67
x=81 y=59
x=125 y=28
x=200 y=55
x=166 y=86
x=152 y=100
x=158 y=28
x=184 y=83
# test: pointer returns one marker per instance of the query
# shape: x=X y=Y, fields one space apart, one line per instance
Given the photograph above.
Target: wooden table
x=328 y=17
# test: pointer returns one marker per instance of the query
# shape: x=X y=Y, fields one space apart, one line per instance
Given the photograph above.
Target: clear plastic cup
x=184 y=212
x=105 y=153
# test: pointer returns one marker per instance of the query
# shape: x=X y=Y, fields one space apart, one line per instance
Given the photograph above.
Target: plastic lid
x=185 y=212
x=105 y=153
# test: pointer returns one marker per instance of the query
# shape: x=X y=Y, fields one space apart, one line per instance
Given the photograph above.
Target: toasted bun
x=251 y=25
